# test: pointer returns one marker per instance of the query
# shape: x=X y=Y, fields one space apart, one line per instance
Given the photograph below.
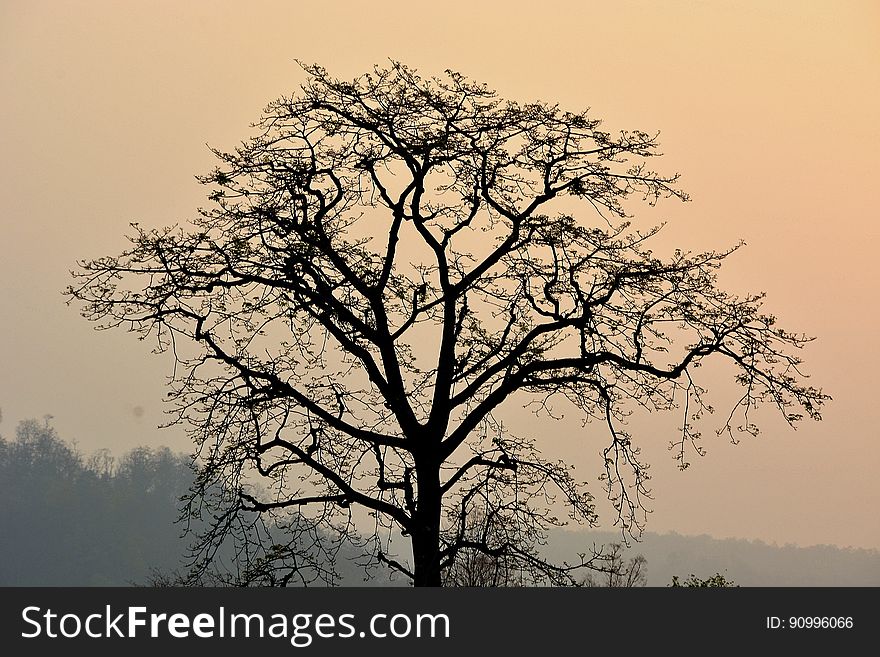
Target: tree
x=614 y=570
x=390 y=262
x=715 y=581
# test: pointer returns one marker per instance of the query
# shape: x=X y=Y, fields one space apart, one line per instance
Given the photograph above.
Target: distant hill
x=68 y=520
x=71 y=520
x=747 y=563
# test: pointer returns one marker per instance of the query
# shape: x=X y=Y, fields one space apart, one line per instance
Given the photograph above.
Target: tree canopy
x=383 y=267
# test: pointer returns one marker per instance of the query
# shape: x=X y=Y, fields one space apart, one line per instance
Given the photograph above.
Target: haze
x=769 y=111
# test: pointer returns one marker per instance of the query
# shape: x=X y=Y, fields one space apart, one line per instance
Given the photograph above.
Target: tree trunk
x=426 y=530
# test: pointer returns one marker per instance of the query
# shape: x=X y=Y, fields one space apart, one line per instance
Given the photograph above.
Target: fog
x=75 y=519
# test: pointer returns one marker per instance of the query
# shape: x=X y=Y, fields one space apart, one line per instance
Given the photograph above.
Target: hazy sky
x=768 y=109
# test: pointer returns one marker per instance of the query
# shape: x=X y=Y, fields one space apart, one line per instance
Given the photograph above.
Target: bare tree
x=614 y=570
x=385 y=265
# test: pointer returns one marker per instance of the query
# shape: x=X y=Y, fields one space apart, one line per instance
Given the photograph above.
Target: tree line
x=75 y=520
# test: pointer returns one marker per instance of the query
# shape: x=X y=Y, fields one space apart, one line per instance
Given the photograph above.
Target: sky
x=768 y=110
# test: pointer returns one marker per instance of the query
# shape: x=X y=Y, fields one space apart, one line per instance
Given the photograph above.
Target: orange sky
x=769 y=110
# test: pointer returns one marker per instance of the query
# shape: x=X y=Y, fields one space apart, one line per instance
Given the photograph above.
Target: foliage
x=715 y=581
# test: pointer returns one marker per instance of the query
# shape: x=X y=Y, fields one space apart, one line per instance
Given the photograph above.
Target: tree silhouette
x=389 y=262
x=715 y=581
x=616 y=571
